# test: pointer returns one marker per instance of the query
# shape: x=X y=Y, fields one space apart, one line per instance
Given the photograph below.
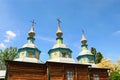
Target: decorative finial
x=83 y=40
x=31 y=32
x=59 y=32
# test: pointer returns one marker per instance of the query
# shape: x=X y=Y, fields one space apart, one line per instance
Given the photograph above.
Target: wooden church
x=59 y=66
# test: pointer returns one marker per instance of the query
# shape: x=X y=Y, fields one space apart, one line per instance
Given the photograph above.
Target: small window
x=90 y=59
x=30 y=55
x=64 y=55
x=69 y=75
x=96 y=77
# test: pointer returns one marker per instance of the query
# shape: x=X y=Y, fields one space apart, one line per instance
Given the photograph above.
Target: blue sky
x=100 y=20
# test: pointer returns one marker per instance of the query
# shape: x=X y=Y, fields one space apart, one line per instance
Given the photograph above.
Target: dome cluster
x=58 y=53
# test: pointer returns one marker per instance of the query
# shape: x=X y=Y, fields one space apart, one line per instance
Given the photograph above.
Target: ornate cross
x=33 y=22
x=82 y=31
x=58 y=19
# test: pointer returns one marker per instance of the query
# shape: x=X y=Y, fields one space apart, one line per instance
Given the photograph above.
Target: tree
x=107 y=63
x=114 y=68
x=8 y=54
x=119 y=64
x=93 y=51
x=119 y=61
x=115 y=75
x=98 y=55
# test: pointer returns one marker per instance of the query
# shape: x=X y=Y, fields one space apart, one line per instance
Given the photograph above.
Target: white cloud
x=9 y=35
x=2 y=45
x=117 y=33
x=47 y=39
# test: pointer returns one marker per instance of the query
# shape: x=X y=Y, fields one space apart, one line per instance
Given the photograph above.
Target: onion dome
x=85 y=56
x=60 y=52
x=83 y=40
x=59 y=32
x=59 y=38
x=31 y=38
x=29 y=51
x=31 y=33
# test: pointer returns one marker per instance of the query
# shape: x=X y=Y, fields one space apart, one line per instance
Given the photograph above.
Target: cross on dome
x=83 y=40
x=33 y=22
x=58 y=19
x=59 y=32
x=31 y=32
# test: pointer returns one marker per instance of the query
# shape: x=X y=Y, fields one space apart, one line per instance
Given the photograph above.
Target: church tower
x=85 y=56
x=60 y=52
x=29 y=51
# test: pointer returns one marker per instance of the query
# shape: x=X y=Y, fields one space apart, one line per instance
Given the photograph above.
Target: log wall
x=52 y=71
x=102 y=73
x=25 y=71
x=58 y=71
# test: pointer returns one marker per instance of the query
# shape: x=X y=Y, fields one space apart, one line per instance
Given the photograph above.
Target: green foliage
x=115 y=75
x=93 y=51
x=98 y=55
x=8 y=54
